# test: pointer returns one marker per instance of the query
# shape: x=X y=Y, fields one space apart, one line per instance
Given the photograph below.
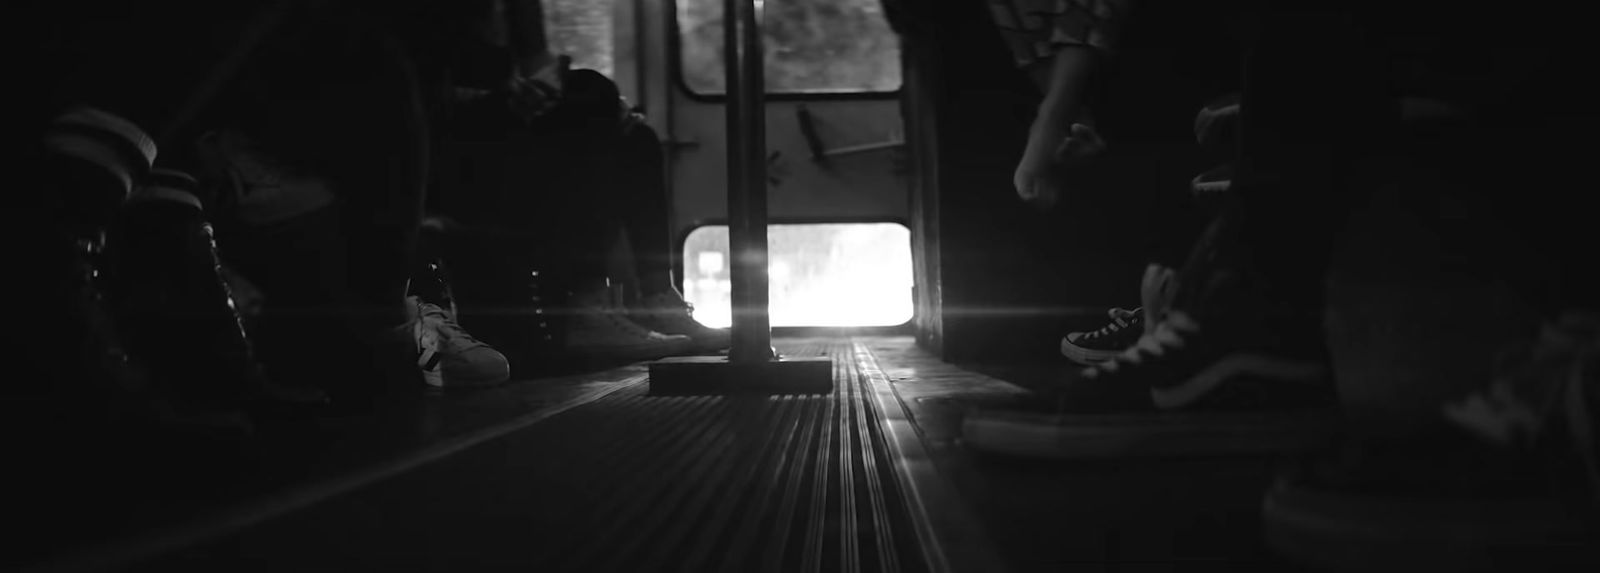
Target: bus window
x=826 y=274
x=812 y=47
x=582 y=29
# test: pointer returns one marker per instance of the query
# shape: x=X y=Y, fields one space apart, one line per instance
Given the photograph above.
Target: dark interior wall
x=999 y=280
x=919 y=112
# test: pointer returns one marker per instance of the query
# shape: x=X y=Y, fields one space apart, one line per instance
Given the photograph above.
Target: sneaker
x=448 y=356
x=1088 y=348
x=1511 y=483
x=599 y=329
x=1217 y=123
x=172 y=302
x=1211 y=183
x=1179 y=390
x=1547 y=391
x=668 y=313
x=1225 y=371
x=1185 y=367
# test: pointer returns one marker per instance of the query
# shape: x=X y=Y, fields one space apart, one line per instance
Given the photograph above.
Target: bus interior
x=890 y=349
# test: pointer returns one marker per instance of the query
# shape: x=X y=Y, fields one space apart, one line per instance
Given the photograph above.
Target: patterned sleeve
x=1035 y=29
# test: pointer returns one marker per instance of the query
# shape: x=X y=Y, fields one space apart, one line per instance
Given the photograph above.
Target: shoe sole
x=1199 y=187
x=1338 y=532
x=451 y=382
x=1156 y=434
x=1284 y=370
x=1086 y=356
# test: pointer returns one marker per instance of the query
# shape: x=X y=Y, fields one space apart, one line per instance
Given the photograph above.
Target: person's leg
x=337 y=130
x=1316 y=104
x=1244 y=328
x=644 y=208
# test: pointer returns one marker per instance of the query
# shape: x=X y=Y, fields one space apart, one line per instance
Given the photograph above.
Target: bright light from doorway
x=826 y=274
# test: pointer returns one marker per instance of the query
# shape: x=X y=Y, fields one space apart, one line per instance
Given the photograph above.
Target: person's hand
x=1038 y=176
x=1036 y=181
x=534 y=94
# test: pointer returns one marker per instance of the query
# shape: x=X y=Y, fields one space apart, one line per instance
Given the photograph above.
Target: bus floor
x=591 y=472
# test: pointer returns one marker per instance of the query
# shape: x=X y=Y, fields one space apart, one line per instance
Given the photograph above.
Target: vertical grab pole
x=752 y=365
x=747 y=180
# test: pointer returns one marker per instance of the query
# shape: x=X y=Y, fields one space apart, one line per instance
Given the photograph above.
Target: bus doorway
x=838 y=201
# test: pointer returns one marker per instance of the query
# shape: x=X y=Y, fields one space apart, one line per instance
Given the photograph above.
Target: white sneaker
x=668 y=313
x=599 y=328
x=448 y=356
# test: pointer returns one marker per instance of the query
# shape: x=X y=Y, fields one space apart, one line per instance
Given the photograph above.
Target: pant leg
x=643 y=205
x=336 y=98
x=1315 y=106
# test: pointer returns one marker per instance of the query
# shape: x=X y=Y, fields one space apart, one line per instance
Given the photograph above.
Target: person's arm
x=1067 y=91
x=538 y=77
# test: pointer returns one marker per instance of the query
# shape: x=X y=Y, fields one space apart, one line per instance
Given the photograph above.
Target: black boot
x=72 y=355
x=176 y=309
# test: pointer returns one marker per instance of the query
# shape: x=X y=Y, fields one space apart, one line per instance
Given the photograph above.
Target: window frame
x=675 y=65
x=679 y=272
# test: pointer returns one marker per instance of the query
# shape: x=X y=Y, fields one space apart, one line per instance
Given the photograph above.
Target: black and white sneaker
x=1214 y=182
x=1225 y=371
x=1217 y=124
x=1513 y=484
x=1179 y=390
x=1184 y=369
x=1095 y=346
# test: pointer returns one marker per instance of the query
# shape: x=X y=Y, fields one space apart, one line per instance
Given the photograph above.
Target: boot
x=84 y=169
x=172 y=301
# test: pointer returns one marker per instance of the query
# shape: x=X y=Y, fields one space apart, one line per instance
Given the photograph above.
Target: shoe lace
x=1120 y=318
x=1169 y=335
x=445 y=324
x=1540 y=384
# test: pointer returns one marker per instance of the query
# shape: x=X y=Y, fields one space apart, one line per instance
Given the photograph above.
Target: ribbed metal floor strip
x=631 y=482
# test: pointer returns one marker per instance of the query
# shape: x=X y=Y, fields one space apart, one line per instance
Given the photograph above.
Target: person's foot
x=1180 y=390
x=1216 y=181
x=1227 y=370
x=175 y=308
x=598 y=329
x=448 y=356
x=1217 y=124
x=1105 y=343
x=1512 y=483
x=668 y=313
x=1185 y=366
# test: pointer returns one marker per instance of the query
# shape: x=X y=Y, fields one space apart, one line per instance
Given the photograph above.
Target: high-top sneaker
x=448 y=356
x=173 y=304
x=1216 y=181
x=1217 y=124
x=668 y=313
x=1156 y=289
x=1512 y=484
x=1225 y=371
x=597 y=328
x=1105 y=343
